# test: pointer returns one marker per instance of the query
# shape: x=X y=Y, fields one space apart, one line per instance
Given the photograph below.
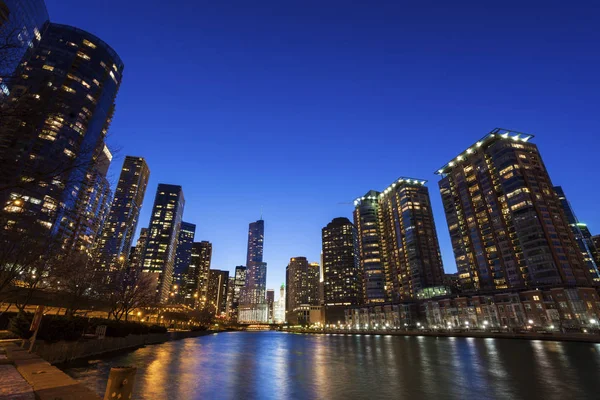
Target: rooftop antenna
x=261 y=212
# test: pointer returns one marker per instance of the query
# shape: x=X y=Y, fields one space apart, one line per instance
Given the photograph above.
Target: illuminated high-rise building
x=253 y=305
x=239 y=283
x=195 y=282
x=183 y=257
x=163 y=234
x=216 y=297
x=136 y=255
x=342 y=278
x=409 y=242
x=52 y=151
x=279 y=308
x=302 y=282
x=270 y=304
x=583 y=237
x=505 y=219
x=366 y=220
x=117 y=234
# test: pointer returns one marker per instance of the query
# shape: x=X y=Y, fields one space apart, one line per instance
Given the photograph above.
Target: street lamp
x=593 y=321
x=485 y=324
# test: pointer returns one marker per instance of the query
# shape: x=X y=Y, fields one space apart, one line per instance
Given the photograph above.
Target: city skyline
x=211 y=205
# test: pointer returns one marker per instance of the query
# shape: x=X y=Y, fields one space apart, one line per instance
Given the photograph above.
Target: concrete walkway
x=13 y=386
x=46 y=381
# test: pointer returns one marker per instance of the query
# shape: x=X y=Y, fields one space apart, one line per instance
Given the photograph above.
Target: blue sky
x=298 y=107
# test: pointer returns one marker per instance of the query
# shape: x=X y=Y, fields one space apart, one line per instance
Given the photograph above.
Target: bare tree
x=77 y=281
x=127 y=290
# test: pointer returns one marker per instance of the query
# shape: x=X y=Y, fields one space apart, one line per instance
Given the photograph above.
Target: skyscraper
x=253 y=306
x=341 y=270
x=366 y=220
x=409 y=242
x=240 y=283
x=136 y=257
x=505 y=220
x=119 y=228
x=279 y=309
x=302 y=282
x=583 y=237
x=196 y=277
x=217 y=290
x=52 y=150
x=163 y=234
x=270 y=303
x=183 y=257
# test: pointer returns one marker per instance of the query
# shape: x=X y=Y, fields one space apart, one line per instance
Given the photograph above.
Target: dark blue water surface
x=274 y=365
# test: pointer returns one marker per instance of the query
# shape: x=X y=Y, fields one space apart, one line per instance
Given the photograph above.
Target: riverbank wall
x=64 y=352
x=558 y=337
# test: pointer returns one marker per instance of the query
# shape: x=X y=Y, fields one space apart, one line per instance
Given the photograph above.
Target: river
x=275 y=365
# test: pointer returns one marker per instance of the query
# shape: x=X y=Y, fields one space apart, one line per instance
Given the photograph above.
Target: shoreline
x=556 y=337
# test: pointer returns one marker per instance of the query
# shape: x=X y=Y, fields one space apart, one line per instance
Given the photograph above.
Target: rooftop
x=496 y=134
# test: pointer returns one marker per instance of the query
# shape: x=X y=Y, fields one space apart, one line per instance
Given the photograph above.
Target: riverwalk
x=559 y=337
x=27 y=376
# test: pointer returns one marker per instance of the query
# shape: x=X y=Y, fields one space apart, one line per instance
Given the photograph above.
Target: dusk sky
x=298 y=107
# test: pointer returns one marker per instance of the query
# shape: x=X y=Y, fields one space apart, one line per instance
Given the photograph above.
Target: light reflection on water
x=273 y=365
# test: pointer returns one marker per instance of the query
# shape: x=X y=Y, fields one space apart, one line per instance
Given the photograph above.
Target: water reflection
x=271 y=365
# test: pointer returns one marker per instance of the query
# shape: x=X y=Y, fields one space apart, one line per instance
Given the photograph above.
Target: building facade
x=183 y=257
x=217 y=291
x=341 y=271
x=195 y=282
x=240 y=283
x=409 y=242
x=302 y=282
x=52 y=149
x=366 y=220
x=119 y=229
x=253 y=305
x=505 y=220
x=163 y=233
x=583 y=237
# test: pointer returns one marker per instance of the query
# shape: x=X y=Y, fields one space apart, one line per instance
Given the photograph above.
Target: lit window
x=89 y=44
x=83 y=55
x=68 y=89
x=48 y=67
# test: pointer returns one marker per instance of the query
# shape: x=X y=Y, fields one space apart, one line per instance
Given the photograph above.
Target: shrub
x=5 y=319
x=19 y=325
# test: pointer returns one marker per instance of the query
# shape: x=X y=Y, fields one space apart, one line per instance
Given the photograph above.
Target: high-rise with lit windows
x=239 y=282
x=583 y=237
x=163 y=234
x=253 y=306
x=302 y=282
x=183 y=258
x=53 y=155
x=216 y=297
x=366 y=220
x=505 y=219
x=195 y=282
x=342 y=279
x=409 y=243
x=115 y=242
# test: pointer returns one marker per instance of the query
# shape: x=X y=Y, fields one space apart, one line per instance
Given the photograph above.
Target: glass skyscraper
x=115 y=242
x=505 y=219
x=253 y=306
x=163 y=234
x=52 y=149
x=583 y=237
x=182 y=260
